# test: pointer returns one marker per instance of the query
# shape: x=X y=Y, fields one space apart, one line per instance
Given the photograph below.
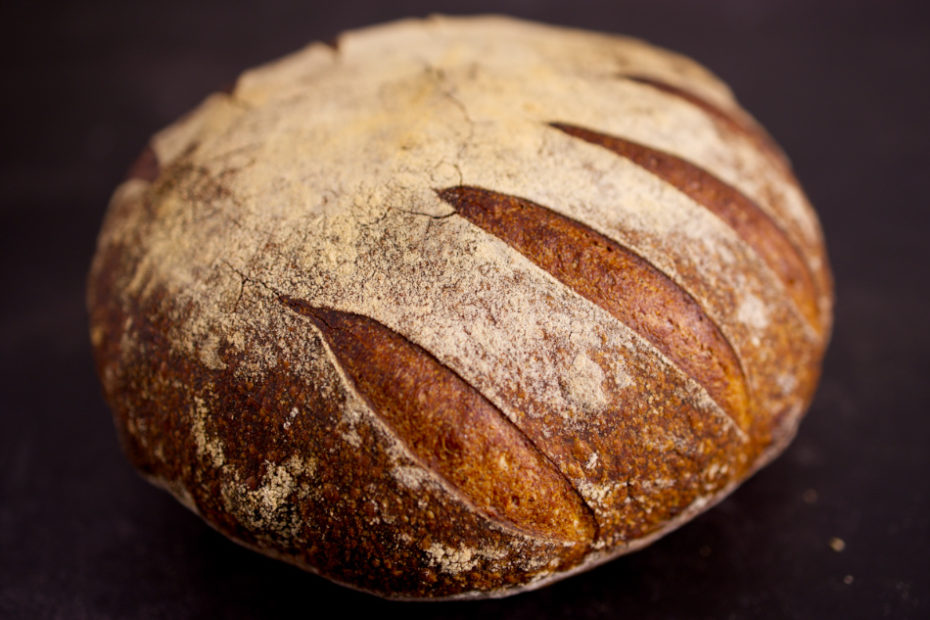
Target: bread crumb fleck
x=837 y=544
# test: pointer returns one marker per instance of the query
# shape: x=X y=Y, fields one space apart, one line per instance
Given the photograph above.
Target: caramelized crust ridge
x=619 y=281
x=740 y=124
x=752 y=224
x=452 y=428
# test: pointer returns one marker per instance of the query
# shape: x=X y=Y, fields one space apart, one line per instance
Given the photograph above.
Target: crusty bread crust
x=459 y=306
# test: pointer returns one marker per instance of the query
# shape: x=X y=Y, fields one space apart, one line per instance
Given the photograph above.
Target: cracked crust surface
x=319 y=179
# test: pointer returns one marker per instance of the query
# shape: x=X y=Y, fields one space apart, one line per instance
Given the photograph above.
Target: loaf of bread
x=457 y=307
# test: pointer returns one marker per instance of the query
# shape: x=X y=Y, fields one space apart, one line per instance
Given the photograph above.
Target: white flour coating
x=276 y=487
x=752 y=312
x=261 y=508
x=460 y=559
x=592 y=461
x=716 y=469
x=787 y=382
x=601 y=495
x=207 y=445
x=411 y=477
x=583 y=385
x=663 y=483
x=290 y=417
x=394 y=109
x=209 y=352
x=317 y=180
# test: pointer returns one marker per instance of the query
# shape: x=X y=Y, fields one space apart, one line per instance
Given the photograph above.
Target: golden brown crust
x=357 y=512
x=327 y=303
x=618 y=280
x=727 y=203
x=733 y=120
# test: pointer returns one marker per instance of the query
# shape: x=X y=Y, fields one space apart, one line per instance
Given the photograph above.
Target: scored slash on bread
x=739 y=212
x=452 y=429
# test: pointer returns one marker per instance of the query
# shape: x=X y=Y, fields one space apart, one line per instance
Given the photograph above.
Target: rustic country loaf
x=458 y=307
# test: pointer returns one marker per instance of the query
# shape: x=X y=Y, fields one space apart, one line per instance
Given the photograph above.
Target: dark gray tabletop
x=837 y=527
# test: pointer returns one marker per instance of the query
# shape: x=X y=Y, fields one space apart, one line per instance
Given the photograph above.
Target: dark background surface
x=845 y=88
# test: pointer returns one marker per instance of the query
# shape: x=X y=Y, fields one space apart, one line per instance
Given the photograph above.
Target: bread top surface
x=328 y=180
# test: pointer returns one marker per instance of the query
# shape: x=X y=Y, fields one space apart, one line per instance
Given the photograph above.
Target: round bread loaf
x=457 y=307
